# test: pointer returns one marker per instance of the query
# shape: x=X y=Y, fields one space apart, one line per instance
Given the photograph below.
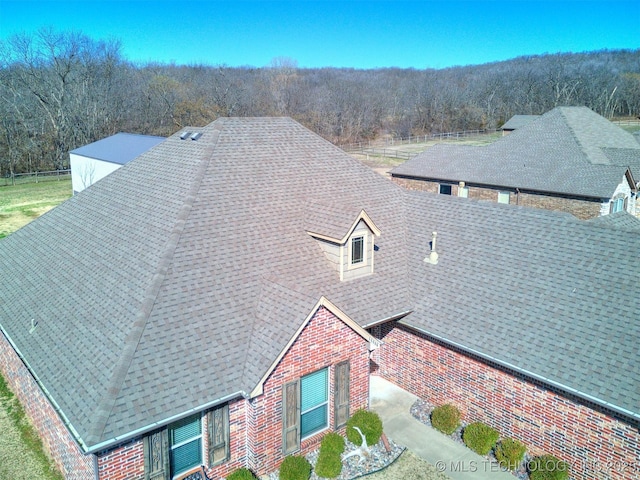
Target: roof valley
x=132 y=340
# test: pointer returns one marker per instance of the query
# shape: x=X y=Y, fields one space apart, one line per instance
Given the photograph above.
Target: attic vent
x=196 y=136
x=184 y=135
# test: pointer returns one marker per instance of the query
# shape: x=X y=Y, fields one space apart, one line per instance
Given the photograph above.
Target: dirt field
x=19 y=204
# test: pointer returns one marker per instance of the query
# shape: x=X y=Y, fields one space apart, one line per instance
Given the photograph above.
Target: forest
x=62 y=90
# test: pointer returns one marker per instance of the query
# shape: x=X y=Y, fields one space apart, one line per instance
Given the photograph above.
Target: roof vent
x=184 y=135
x=433 y=255
x=34 y=324
x=196 y=136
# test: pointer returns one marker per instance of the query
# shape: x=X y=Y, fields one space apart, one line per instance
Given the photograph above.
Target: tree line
x=62 y=90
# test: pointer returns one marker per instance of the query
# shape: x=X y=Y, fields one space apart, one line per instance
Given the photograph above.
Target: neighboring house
x=569 y=159
x=223 y=302
x=517 y=121
x=98 y=159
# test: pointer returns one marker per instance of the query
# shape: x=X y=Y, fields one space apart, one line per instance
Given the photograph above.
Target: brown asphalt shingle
x=178 y=279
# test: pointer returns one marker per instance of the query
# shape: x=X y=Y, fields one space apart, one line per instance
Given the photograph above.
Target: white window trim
x=365 y=256
x=317 y=406
x=463 y=192
x=504 y=193
x=202 y=452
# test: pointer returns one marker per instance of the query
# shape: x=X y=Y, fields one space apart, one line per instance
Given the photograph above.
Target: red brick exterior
x=581 y=208
x=57 y=440
x=324 y=342
x=597 y=446
x=256 y=425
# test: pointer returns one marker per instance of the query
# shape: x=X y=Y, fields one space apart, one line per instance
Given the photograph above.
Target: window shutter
x=156 y=456
x=291 y=417
x=218 y=429
x=341 y=395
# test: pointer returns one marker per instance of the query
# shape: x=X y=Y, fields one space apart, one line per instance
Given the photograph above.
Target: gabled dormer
x=347 y=242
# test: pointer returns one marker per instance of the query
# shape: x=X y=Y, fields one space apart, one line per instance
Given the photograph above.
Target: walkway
x=450 y=457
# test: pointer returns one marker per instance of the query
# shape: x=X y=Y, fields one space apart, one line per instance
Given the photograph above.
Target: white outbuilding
x=96 y=160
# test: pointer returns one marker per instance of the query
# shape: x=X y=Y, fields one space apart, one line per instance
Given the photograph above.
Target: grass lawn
x=21 y=453
x=21 y=203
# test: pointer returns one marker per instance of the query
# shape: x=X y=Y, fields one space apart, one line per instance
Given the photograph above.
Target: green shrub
x=369 y=423
x=241 y=474
x=295 y=467
x=548 y=467
x=329 y=464
x=445 y=418
x=480 y=438
x=510 y=452
x=333 y=442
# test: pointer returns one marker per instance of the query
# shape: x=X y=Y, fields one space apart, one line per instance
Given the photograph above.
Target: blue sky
x=350 y=33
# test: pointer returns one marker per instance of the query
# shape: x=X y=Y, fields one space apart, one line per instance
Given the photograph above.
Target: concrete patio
x=453 y=459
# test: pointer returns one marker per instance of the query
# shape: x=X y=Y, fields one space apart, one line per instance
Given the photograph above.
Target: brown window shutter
x=291 y=417
x=341 y=395
x=156 y=456
x=218 y=430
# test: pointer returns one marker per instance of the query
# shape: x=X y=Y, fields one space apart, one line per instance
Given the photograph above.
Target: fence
x=393 y=141
x=628 y=122
x=36 y=177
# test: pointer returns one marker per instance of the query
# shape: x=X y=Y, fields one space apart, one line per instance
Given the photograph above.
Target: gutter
x=584 y=396
x=388 y=319
x=118 y=439
x=160 y=423
x=54 y=404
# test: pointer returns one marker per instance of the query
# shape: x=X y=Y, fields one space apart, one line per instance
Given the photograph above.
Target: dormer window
x=357 y=250
x=348 y=243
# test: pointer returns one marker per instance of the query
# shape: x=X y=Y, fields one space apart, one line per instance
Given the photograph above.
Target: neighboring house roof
x=518 y=121
x=569 y=151
x=120 y=148
x=179 y=279
x=618 y=220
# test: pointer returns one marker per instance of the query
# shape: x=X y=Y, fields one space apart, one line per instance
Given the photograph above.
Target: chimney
x=433 y=255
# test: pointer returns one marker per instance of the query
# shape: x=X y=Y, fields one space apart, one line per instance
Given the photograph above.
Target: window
x=617 y=205
x=185 y=444
x=357 y=250
x=463 y=192
x=503 y=197
x=444 y=189
x=314 y=402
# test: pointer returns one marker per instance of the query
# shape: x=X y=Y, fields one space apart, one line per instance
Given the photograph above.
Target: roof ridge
x=132 y=340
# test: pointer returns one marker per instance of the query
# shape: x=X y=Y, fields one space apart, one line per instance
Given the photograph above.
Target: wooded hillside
x=61 y=90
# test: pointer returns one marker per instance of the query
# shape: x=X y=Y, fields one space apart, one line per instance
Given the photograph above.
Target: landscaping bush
x=242 y=474
x=333 y=442
x=509 y=453
x=295 y=467
x=328 y=465
x=480 y=438
x=548 y=467
x=445 y=418
x=369 y=423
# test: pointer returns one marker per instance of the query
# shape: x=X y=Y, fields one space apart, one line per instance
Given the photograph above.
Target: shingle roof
x=518 y=121
x=569 y=150
x=178 y=279
x=120 y=148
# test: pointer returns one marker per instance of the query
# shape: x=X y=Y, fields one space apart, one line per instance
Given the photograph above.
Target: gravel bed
x=353 y=467
x=421 y=410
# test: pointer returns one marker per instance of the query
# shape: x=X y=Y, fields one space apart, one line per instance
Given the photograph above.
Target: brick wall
x=55 y=437
x=583 y=209
x=325 y=341
x=256 y=425
x=125 y=462
x=597 y=446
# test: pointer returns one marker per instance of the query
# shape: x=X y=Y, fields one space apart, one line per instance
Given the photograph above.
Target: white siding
x=623 y=189
x=87 y=171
